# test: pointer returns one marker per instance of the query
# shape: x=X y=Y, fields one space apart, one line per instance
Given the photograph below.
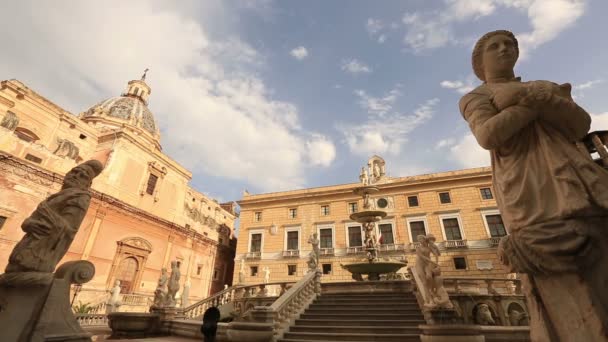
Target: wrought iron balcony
x=392 y=247
x=253 y=255
x=455 y=244
x=291 y=253
x=355 y=250
x=326 y=251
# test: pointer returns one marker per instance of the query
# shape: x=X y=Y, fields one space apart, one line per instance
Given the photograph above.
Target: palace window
x=152 y=180
x=354 y=236
x=486 y=193
x=386 y=233
x=412 y=201
x=2 y=221
x=495 y=225
x=326 y=238
x=293 y=213
x=452 y=229
x=326 y=268
x=444 y=198
x=257 y=216
x=352 y=207
x=292 y=270
x=256 y=243
x=325 y=210
x=33 y=158
x=293 y=240
x=417 y=228
x=254 y=271
x=460 y=263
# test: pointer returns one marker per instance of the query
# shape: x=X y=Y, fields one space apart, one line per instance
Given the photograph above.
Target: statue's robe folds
x=61 y=214
x=553 y=200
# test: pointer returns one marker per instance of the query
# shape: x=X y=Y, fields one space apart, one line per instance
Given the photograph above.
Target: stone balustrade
x=92 y=319
x=326 y=252
x=355 y=250
x=253 y=255
x=455 y=244
x=490 y=286
x=391 y=247
x=290 y=253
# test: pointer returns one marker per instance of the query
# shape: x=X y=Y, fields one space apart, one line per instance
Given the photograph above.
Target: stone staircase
x=359 y=317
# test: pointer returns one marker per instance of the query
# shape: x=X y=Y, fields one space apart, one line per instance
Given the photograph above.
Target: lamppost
x=77 y=288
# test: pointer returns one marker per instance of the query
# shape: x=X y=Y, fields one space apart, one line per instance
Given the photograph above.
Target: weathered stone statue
x=242 y=272
x=35 y=302
x=313 y=260
x=114 y=302
x=10 y=121
x=483 y=315
x=363 y=177
x=553 y=198
x=161 y=289
x=173 y=285
x=266 y=275
x=429 y=273
x=186 y=294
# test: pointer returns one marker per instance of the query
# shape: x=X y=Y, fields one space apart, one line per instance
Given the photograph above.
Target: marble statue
x=483 y=315
x=34 y=300
x=518 y=318
x=552 y=197
x=363 y=177
x=429 y=272
x=50 y=229
x=186 y=294
x=313 y=259
x=242 y=272
x=376 y=171
x=173 y=284
x=114 y=302
x=10 y=121
x=161 y=289
x=266 y=275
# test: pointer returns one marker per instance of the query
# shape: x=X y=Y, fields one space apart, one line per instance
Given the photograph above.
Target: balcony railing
x=390 y=247
x=414 y=245
x=253 y=255
x=290 y=253
x=494 y=241
x=455 y=244
x=326 y=251
x=355 y=250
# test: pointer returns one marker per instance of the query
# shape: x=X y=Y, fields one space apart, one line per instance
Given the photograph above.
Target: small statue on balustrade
x=114 y=302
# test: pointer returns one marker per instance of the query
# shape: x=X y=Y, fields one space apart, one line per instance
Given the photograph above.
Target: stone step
x=372 y=317
x=364 y=329
x=367 y=301
x=362 y=310
x=301 y=336
x=358 y=306
x=359 y=322
x=370 y=295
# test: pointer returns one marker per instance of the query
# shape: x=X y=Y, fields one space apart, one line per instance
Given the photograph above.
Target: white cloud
x=354 y=66
x=548 y=18
x=321 y=150
x=578 y=90
x=444 y=143
x=462 y=87
x=468 y=154
x=599 y=122
x=374 y=26
x=381 y=38
x=378 y=105
x=299 y=53
x=385 y=135
x=216 y=115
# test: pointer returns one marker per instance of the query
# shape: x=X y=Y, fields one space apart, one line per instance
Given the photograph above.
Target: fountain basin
x=374 y=269
x=133 y=324
x=368 y=216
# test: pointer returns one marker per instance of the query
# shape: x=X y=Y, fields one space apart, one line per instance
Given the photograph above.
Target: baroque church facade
x=143 y=213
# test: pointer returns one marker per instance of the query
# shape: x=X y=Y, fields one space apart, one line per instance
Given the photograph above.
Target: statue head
x=117 y=283
x=431 y=238
x=421 y=239
x=495 y=52
x=483 y=315
x=82 y=175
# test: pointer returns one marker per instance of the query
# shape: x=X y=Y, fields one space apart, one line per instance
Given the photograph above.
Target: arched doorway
x=127 y=271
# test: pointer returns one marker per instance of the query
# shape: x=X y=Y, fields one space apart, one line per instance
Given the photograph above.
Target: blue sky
x=276 y=95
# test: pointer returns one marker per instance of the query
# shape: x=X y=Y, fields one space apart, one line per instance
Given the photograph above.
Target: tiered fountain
x=374 y=266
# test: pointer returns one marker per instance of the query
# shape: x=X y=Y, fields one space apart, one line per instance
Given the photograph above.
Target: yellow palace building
x=457 y=207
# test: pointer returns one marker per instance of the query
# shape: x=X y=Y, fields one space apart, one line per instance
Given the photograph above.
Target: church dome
x=130 y=109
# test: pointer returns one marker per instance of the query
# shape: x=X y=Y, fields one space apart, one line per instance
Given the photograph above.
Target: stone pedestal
x=134 y=324
x=35 y=306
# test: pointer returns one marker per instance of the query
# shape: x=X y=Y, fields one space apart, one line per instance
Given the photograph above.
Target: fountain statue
x=374 y=266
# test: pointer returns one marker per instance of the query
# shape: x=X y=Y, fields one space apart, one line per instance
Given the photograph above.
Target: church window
x=257 y=216
x=2 y=221
x=152 y=179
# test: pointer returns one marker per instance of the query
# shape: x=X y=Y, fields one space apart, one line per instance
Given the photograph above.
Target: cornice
x=7 y=102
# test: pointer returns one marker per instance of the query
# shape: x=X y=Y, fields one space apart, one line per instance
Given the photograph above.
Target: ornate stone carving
x=66 y=148
x=552 y=197
x=482 y=315
x=430 y=273
x=196 y=215
x=147 y=120
x=377 y=169
x=10 y=121
x=266 y=275
x=122 y=109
